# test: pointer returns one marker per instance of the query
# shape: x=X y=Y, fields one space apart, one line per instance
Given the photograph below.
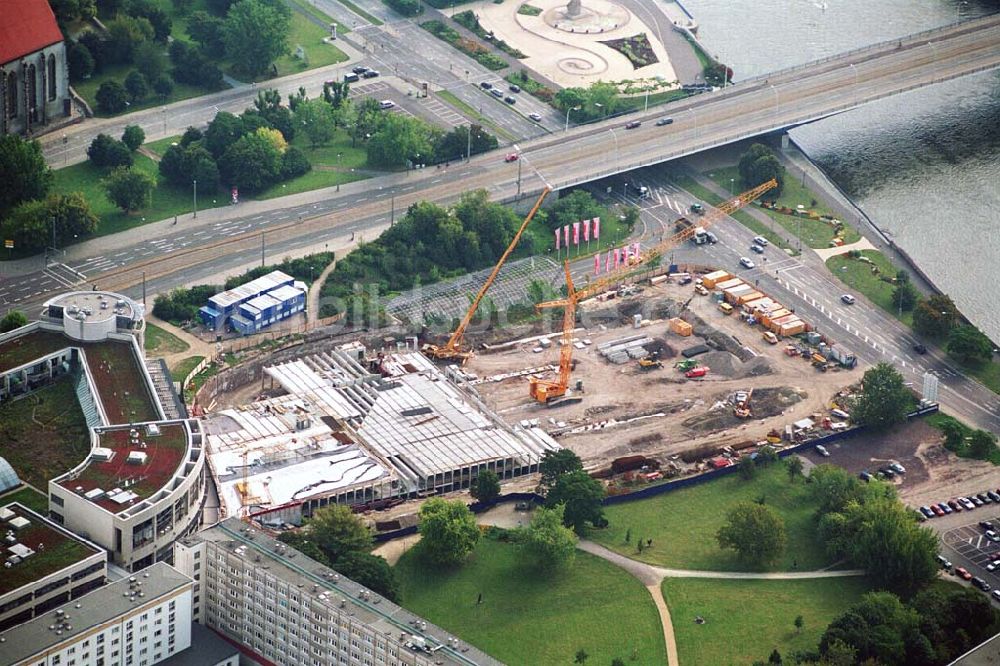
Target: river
x=924 y=165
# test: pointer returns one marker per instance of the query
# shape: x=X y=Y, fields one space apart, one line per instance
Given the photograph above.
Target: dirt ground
x=626 y=410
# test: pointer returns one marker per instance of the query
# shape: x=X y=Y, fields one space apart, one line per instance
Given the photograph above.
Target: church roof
x=27 y=26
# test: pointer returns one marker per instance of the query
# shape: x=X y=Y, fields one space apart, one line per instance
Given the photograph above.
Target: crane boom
x=544 y=391
x=451 y=350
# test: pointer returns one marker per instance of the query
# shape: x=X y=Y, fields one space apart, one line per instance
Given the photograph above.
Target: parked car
x=514 y=88
x=955 y=506
x=887 y=472
x=926 y=510
x=485 y=85
x=386 y=104
x=760 y=240
x=745 y=262
x=992 y=536
x=865 y=476
x=371 y=74
x=664 y=121
x=496 y=92
x=920 y=348
x=986 y=525
x=820 y=449
x=510 y=100
x=944 y=506
x=984 y=498
x=360 y=69
x=897 y=468
x=992 y=566
x=943 y=561
x=350 y=77
x=975 y=500
x=937 y=510
x=993 y=496
x=996 y=595
x=966 y=503
x=981 y=584
x=635 y=124
x=961 y=572
x=757 y=248
x=848 y=299
x=537 y=117
x=770 y=338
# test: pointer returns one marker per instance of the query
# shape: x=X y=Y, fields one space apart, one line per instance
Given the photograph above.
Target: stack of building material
x=622 y=350
x=713 y=278
x=679 y=326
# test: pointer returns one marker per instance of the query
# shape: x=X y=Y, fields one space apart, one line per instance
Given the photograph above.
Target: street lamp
x=776 y=101
x=339 y=155
x=618 y=156
x=731 y=187
x=572 y=108
x=855 y=70
x=194 y=184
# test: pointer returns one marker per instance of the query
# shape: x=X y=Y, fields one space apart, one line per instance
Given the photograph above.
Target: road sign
x=9 y=244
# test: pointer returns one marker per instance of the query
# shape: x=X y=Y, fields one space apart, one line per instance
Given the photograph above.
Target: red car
x=511 y=157
x=962 y=573
x=693 y=373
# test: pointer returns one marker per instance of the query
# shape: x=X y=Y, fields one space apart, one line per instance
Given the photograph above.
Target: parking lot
x=971 y=543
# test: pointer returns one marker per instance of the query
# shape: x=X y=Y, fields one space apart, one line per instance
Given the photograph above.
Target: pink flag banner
x=576 y=233
x=618 y=257
x=624 y=252
x=607 y=262
x=557 y=240
x=636 y=250
x=586 y=231
x=597 y=228
x=597 y=264
x=566 y=236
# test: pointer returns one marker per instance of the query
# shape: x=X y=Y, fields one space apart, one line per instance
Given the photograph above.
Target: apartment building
x=136 y=621
x=288 y=609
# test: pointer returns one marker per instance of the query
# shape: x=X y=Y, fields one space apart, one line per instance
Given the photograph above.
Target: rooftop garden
x=26 y=348
x=54 y=550
x=120 y=382
x=164 y=454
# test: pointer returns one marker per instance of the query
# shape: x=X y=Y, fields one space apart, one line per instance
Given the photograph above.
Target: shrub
x=107 y=152
x=163 y=86
x=136 y=86
x=111 y=97
x=294 y=163
x=80 y=62
x=133 y=136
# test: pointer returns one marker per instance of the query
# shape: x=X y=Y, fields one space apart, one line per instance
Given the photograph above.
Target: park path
x=196 y=346
x=827 y=252
x=312 y=307
x=652 y=576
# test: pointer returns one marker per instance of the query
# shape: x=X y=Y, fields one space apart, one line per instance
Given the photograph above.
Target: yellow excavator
x=451 y=350
x=553 y=392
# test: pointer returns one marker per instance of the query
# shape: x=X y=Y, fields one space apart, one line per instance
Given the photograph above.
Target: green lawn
x=988 y=374
x=88 y=90
x=309 y=36
x=683 y=523
x=529 y=618
x=814 y=233
x=687 y=183
x=183 y=367
x=160 y=342
x=30 y=498
x=858 y=276
x=44 y=434
x=315 y=12
x=167 y=199
x=313 y=180
x=746 y=619
x=160 y=146
x=360 y=12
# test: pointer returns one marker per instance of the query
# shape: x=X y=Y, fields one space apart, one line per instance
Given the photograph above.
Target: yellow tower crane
x=554 y=391
x=451 y=350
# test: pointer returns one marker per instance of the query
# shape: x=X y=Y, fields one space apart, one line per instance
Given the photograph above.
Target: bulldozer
x=686 y=364
x=741 y=404
x=651 y=363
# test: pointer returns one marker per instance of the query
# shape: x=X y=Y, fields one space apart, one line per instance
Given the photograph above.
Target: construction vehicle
x=695 y=373
x=552 y=392
x=451 y=349
x=770 y=338
x=819 y=362
x=651 y=363
x=741 y=404
x=686 y=364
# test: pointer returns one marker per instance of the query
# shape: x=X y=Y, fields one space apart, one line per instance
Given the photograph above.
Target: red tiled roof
x=26 y=27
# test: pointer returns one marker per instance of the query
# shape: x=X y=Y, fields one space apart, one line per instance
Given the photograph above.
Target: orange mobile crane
x=450 y=350
x=553 y=392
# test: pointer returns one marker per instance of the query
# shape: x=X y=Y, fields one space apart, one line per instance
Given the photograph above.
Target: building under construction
x=361 y=429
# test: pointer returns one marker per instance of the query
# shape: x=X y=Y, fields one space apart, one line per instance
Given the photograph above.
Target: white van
x=386 y=104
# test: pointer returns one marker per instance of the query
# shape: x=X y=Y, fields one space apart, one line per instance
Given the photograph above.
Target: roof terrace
x=120 y=381
x=129 y=465
x=34 y=344
x=42 y=548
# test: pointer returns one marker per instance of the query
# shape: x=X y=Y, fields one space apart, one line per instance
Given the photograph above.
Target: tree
x=936 y=316
x=371 y=571
x=879 y=627
x=758 y=165
x=32 y=224
x=222 y=132
x=582 y=496
x=775 y=657
x=28 y=225
x=128 y=188
x=80 y=62
x=163 y=86
x=486 y=486
x=23 y=172
x=316 y=118
x=252 y=163
x=581 y=656
x=96 y=46
x=748 y=468
x=399 y=139
x=617 y=661
x=125 y=33
x=106 y=152
x=338 y=531
x=407 y=8
x=294 y=163
x=793 y=464
x=13 y=319
x=982 y=443
x=133 y=136
x=71 y=215
x=755 y=532
x=336 y=93
x=883 y=400
x=158 y=19
x=150 y=61
x=455 y=144
x=799 y=623
x=136 y=86
x=448 y=531
x=192 y=67
x=547 y=541
x=969 y=345
x=904 y=296
x=256 y=33
x=209 y=32
x=111 y=97
x=556 y=463
x=278 y=116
